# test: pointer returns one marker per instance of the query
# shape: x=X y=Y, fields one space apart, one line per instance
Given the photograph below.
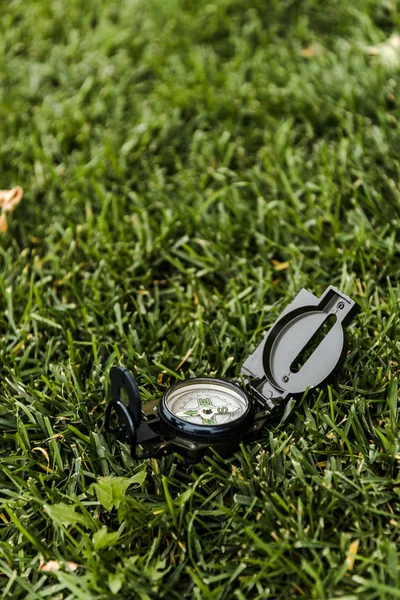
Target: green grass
x=173 y=153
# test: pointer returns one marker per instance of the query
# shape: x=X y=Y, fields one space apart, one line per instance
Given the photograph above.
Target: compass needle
x=188 y=413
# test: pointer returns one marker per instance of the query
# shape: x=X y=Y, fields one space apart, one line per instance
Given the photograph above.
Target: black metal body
x=278 y=369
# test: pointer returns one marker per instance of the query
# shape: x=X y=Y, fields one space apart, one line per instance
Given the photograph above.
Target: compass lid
x=128 y=411
x=303 y=348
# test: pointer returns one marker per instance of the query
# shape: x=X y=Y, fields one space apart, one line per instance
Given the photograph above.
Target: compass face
x=206 y=402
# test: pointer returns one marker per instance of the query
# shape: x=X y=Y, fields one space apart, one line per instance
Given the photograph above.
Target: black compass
x=302 y=350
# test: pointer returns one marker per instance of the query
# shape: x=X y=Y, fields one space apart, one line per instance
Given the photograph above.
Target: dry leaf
x=3 y=223
x=351 y=554
x=184 y=359
x=8 y=201
x=10 y=198
x=55 y=436
x=54 y=565
x=50 y=566
x=44 y=452
x=314 y=49
x=388 y=52
x=280 y=266
x=182 y=546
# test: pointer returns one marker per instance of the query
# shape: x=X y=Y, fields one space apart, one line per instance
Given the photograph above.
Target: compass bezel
x=208 y=433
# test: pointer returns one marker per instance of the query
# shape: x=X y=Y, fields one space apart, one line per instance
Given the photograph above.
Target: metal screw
x=285 y=378
x=340 y=305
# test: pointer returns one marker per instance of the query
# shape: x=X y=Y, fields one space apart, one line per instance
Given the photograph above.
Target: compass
x=304 y=347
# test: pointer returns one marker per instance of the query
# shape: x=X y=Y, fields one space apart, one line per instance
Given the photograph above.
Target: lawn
x=187 y=168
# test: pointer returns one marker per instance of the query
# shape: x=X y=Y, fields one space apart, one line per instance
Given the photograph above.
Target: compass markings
x=210 y=410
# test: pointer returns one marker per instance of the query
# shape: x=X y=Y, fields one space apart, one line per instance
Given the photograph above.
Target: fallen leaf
x=280 y=266
x=351 y=554
x=307 y=52
x=8 y=201
x=54 y=565
x=10 y=198
x=50 y=566
x=388 y=52
x=184 y=359
x=55 y=436
x=314 y=49
x=44 y=452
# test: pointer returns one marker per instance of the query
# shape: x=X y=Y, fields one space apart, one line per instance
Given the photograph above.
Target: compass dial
x=206 y=402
